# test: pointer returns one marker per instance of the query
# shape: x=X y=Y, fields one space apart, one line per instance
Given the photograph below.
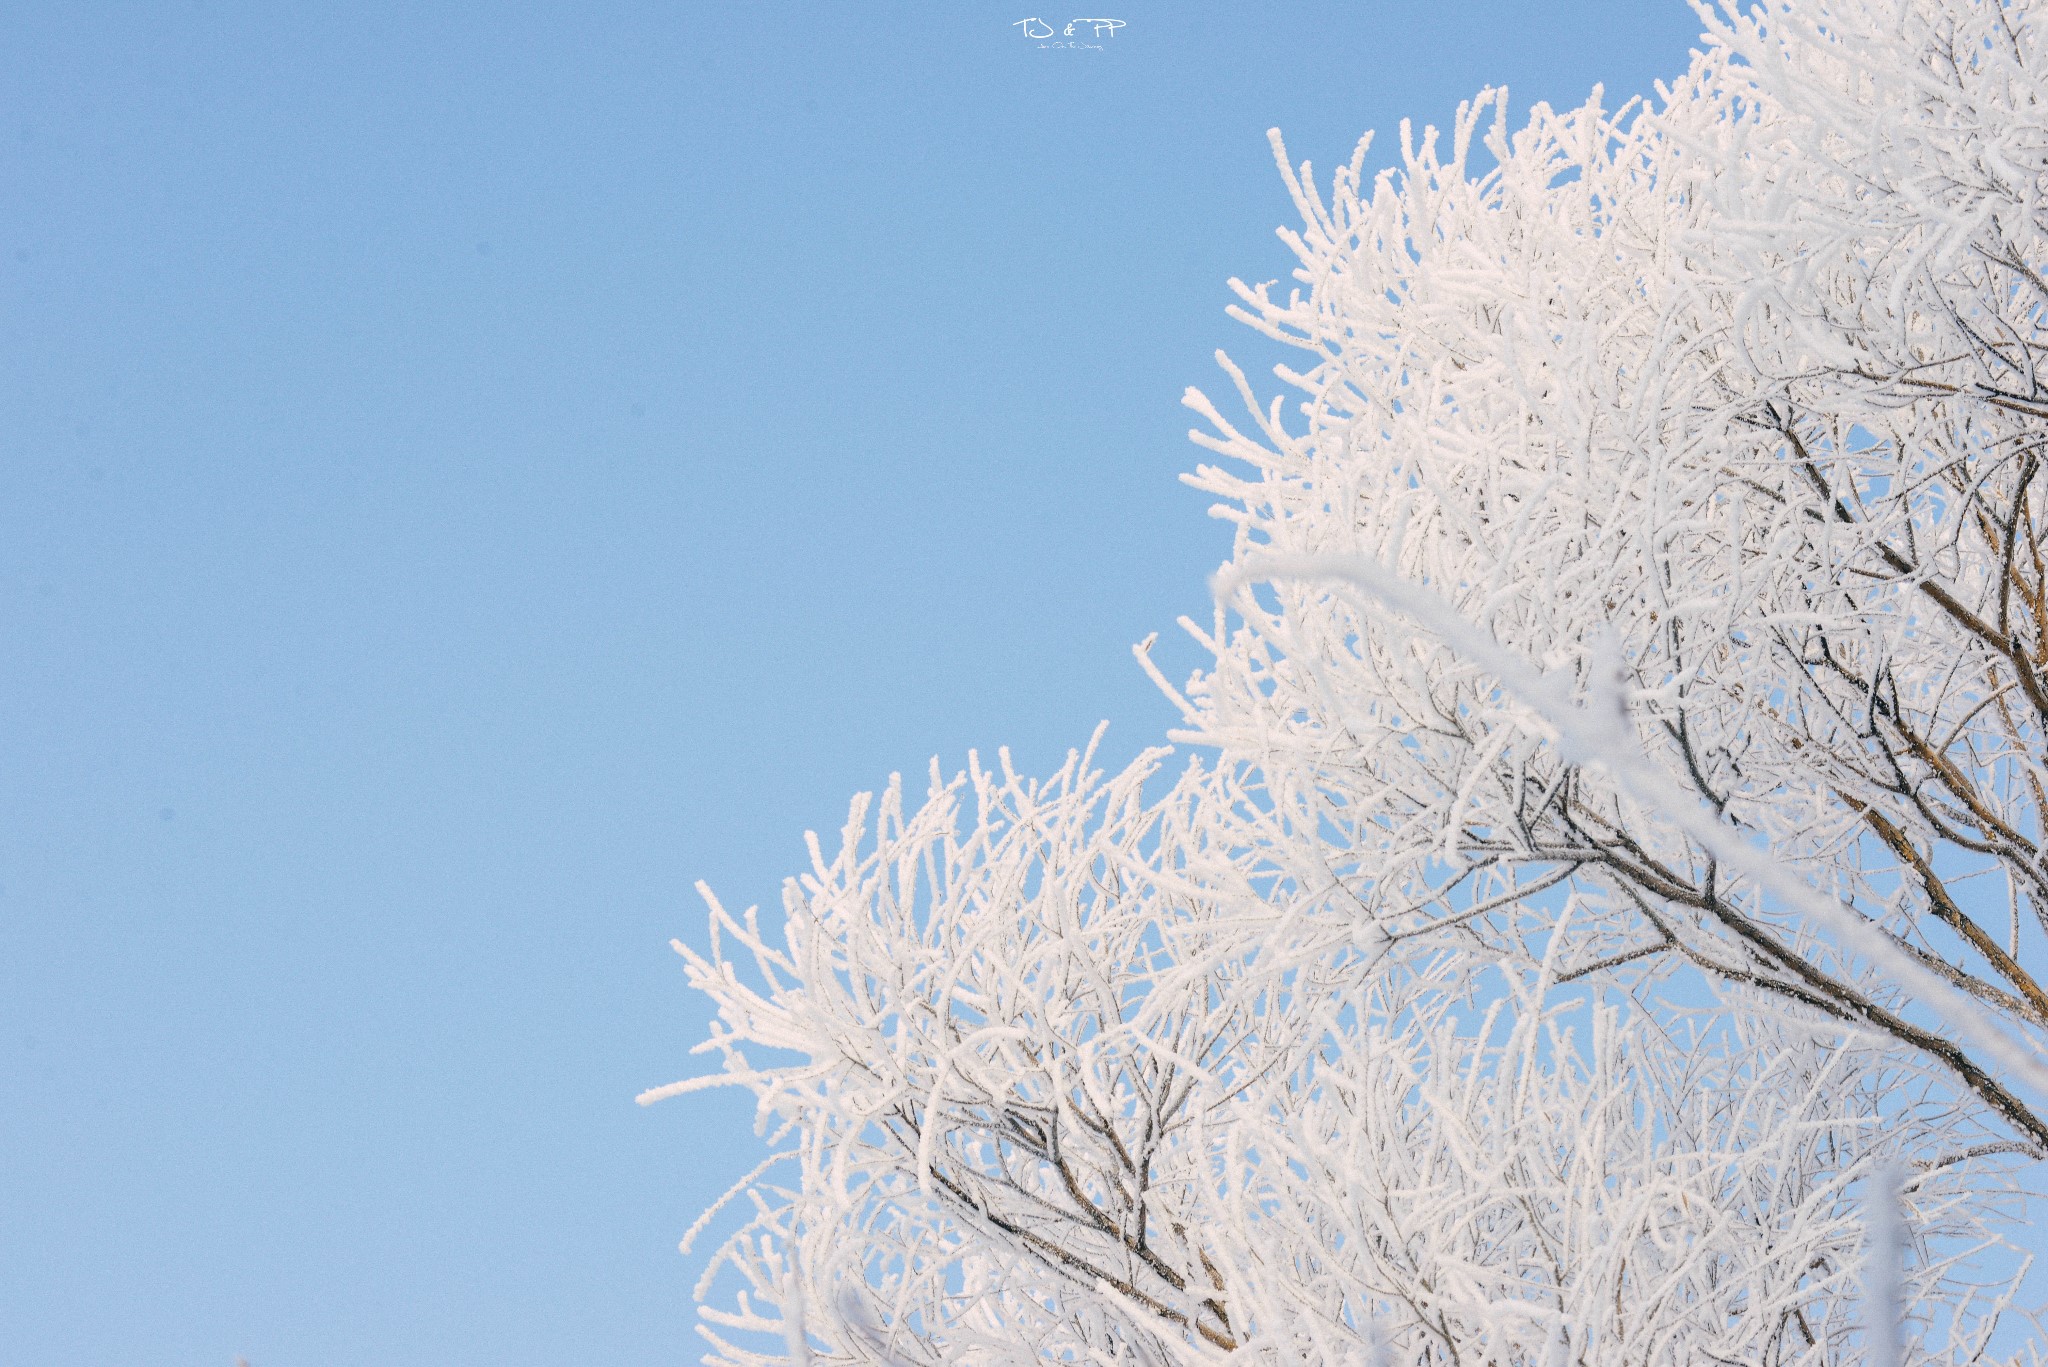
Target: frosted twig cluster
x=1605 y=923
x=1725 y=411
x=1060 y=1078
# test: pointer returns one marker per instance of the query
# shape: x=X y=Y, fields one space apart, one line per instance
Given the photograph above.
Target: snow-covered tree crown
x=1728 y=408
x=1621 y=836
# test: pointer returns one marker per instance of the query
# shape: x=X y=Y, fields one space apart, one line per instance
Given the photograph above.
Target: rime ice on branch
x=1727 y=410
x=1072 y=1081
x=1618 y=842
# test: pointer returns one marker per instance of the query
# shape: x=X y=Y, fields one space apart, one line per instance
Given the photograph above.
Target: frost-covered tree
x=1621 y=832
x=1053 y=1074
x=1727 y=411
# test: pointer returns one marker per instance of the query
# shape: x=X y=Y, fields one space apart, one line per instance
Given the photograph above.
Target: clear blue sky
x=469 y=473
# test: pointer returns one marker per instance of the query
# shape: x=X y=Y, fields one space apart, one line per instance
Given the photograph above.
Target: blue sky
x=471 y=472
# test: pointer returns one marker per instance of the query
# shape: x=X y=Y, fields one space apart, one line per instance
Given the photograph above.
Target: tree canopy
x=1607 y=877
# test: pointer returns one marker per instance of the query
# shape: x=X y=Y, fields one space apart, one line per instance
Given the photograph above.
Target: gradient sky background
x=471 y=472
